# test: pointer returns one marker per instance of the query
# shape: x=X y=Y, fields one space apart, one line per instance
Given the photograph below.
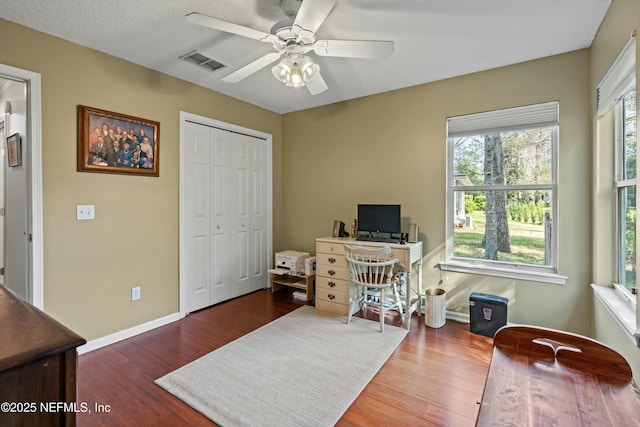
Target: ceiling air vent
x=202 y=61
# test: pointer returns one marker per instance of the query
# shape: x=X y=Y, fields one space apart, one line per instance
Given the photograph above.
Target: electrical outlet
x=135 y=293
x=85 y=212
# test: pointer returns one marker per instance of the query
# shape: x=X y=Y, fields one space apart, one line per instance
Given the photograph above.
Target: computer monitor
x=375 y=219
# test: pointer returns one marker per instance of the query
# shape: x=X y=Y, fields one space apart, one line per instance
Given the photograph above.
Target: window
x=502 y=191
x=616 y=144
x=626 y=159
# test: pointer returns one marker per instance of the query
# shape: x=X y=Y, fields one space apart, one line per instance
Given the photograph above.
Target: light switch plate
x=85 y=212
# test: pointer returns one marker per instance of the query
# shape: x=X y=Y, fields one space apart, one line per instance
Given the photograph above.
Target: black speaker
x=338 y=229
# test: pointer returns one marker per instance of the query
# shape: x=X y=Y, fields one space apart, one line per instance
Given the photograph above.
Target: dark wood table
x=542 y=377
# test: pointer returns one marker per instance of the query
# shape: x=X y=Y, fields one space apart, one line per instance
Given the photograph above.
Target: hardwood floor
x=434 y=378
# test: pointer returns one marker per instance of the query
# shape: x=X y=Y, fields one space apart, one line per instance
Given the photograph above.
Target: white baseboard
x=145 y=327
x=452 y=315
x=127 y=333
x=459 y=317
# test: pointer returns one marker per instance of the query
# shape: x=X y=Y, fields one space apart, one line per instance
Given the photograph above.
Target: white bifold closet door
x=225 y=204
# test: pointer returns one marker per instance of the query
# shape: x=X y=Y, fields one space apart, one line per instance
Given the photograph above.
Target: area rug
x=302 y=369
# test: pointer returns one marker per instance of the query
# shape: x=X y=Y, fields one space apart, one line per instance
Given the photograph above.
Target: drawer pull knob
x=332 y=260
x=332 y=273
x=331 y=296
x=332 y=284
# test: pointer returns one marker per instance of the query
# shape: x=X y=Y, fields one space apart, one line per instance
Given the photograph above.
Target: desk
x=542 y=377
x=333 y=287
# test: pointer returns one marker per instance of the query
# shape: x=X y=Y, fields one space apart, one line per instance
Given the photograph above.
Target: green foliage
x=480 y=202
x=516 y=211
x=630 y=234
x=527 y=212
x=469 y=204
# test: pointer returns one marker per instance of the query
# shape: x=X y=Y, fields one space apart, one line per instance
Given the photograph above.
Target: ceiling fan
x=293 y=38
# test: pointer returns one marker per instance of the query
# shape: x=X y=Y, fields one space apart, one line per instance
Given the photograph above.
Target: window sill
x=621 y=309
x=509 y=273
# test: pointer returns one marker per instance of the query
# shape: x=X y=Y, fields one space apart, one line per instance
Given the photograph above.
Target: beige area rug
x=299 y=370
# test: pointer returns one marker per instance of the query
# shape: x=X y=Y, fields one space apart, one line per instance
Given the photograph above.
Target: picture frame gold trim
x=102 y=143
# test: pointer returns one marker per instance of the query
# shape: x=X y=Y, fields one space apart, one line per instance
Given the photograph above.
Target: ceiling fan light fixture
x=310 y=72
x=295 y=70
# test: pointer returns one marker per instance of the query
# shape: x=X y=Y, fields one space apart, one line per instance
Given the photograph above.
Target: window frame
x=616 y=83
x=621 y=182
x=547 y=273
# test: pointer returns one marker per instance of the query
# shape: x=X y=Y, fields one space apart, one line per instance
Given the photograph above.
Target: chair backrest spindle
x=370 y=266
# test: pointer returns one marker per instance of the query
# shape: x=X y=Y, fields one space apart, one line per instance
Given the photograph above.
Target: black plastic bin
x=487 y=313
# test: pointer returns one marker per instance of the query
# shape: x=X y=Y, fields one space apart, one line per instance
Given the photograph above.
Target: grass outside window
x=527 y=241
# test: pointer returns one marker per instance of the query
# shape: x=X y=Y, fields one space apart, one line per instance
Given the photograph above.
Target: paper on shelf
x=279 y=271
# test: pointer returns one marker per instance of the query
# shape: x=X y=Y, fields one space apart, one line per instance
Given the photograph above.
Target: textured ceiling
x=434 y=39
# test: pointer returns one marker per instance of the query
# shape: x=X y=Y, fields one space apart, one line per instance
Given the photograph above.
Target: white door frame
x=34 y=126
x=184 y=117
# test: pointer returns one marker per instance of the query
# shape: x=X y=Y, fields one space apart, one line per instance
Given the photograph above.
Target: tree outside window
x=502 y=192
x=508 y=196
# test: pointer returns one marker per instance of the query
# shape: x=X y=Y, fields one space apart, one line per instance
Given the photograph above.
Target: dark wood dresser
x=38 y=359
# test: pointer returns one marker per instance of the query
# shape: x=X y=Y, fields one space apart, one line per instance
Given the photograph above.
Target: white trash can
x=435 y=307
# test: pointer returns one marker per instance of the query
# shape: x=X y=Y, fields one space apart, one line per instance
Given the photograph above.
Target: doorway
x=3 y=135
x=23 y=117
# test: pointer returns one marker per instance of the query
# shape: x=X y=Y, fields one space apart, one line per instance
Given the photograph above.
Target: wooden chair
x=372 y=274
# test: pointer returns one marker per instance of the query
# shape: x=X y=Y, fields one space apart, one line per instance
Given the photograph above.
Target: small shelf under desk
x=298 y=281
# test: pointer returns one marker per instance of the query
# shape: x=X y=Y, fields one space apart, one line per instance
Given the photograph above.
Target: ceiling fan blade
x=312 y=14
x=252 y=67
x=370 y=49
x=317 y=85
x=229 y=27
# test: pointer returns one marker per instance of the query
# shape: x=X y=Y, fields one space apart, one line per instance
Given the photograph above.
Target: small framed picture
x=14 y=150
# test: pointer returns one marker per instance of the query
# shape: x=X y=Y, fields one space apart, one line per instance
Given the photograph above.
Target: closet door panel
x=242 y=218
x=221 y=217
x=259 y=216
x=197 y=211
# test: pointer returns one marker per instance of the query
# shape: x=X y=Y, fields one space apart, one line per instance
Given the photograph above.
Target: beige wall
x=90 y=266
x=621 y=21
x=388 y=148
x=391 y=148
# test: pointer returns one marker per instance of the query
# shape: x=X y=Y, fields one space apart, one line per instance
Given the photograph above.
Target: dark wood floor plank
x=434 y=378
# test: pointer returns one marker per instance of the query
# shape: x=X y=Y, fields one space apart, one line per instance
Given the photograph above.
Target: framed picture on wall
x=117 y=143
x=14 y=150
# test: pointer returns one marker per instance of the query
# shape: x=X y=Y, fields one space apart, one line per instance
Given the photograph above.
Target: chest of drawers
x=332 y=278
x=38 y=359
